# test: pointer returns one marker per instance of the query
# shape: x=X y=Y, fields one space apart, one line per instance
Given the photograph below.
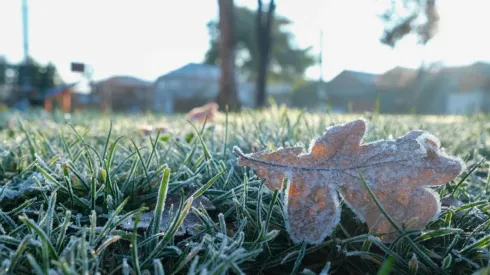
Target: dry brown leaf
x=200 y=113
x=398 y=172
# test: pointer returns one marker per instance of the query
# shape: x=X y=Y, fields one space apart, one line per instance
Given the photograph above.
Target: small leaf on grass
x=18 y=187
x=204 y=113
x=189 y=224
x=184 y=207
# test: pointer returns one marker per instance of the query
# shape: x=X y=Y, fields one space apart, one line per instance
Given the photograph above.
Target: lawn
x=78 y=196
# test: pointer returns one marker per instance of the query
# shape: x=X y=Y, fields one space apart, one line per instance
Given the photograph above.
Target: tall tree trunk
x=264 y=22
x=227 y=93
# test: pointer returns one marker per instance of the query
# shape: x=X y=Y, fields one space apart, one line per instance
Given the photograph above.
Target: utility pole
x=26 y=85
x=321 y=55
x=321 y=93
x=25 y=30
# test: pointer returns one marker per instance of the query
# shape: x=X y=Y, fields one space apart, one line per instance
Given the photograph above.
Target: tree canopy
x=404 y=17
x=287 y=62
x=40 y=77
x=3 y=70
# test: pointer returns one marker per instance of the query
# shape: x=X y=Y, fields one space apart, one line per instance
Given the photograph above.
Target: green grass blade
x=18 y=253
x=299 y=259
x=62 y=233
x=386 y=267
x=160 y=207
x=41 y=234
x=36 y=268
x=106 y=145
x=205 y=149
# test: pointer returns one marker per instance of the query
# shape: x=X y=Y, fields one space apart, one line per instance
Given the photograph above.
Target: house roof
x=58 y=90
x=471 y=77
x=398 y=77
x=362 y=77
x=202 y=72
x=346 y=80
x=124 y=80
x=193 y=69
x=466 y=77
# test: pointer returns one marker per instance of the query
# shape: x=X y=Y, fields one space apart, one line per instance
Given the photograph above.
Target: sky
x=149 y=38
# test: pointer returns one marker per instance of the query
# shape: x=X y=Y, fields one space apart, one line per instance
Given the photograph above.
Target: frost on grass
x=18 y=187
x=397 y=171
x=191 y=221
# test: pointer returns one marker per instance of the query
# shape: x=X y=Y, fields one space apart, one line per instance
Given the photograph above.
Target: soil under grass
x=72 y=187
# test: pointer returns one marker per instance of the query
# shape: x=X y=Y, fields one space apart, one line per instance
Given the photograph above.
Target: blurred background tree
x=227 y=93
x=3 y=70
x=286 y=61
x=49 y=78
x=404 y=17
x=264 y=43
x=412 y=17
x=40 y=77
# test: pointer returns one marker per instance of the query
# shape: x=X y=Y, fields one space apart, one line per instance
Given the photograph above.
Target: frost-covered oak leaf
x=397 y=171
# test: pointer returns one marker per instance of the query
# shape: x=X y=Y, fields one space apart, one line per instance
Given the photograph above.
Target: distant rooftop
x=363 y=77
x=192 y=69
x=468 y=76
x=58 y=89
x=201 y=71
x=125 y=80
